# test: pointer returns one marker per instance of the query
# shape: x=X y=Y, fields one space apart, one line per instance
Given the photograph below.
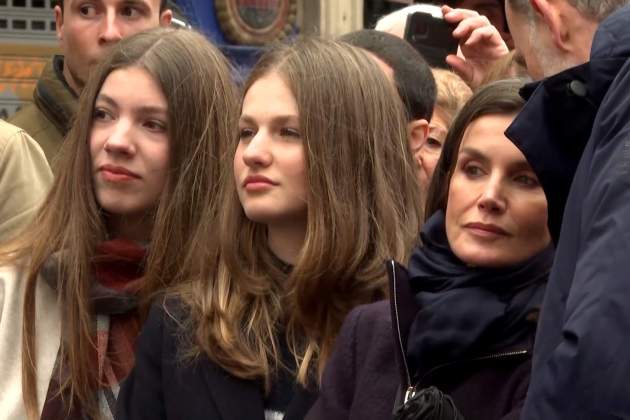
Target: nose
x=119 y=141
x=492 y=199
x=111 y=31
x=257 y=152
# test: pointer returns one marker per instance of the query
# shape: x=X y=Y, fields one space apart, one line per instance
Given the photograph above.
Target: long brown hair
x=363 y=207
x=196 y=81
x=498 y=98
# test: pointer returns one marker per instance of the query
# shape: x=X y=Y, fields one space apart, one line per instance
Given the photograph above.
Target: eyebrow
x=520 y=165
x=141 y=109
x=474 y=153
x=280 y=119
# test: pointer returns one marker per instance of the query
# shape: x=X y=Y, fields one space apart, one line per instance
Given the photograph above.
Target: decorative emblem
x=256 y=22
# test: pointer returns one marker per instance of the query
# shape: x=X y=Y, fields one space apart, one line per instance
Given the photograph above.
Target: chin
x=263 y=216
x=485 y=258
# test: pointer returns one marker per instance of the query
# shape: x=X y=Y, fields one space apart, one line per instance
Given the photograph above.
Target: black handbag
x=428 y=404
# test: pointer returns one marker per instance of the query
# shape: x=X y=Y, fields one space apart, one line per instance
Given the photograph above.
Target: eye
x=130 y=12
x=527 y=181
x=155 y=125
x=246 y=133
x=290 y=132
x=87 y=10
x=433 y=143
x=101 y=114
x=472 y=170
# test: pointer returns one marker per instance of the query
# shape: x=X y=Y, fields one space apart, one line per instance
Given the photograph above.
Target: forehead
x=155 y=4
x=486 y=134
x=268 y=96
x=146 y=90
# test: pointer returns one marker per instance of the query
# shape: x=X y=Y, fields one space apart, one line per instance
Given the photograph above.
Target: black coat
x=367 y=374
x=161 y=386
x=575 y=132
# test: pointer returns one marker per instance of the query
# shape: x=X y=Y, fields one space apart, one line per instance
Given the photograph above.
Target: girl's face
x=269 y=163
x=129 y=144
x=497 y=212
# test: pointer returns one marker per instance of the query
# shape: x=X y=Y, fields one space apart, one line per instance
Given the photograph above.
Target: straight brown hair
x=363 y=207
x=202 y=102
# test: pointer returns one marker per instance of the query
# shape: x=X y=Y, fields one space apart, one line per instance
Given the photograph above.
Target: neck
x=286 y=240
x=133 y=228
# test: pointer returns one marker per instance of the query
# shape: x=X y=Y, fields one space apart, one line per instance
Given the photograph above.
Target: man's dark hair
x=163 y=4
x=412 y=74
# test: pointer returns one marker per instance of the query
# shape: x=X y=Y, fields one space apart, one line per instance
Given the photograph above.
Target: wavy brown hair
x=363 y=207
x=202 y=103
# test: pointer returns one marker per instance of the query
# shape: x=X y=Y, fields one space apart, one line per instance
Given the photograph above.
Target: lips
x=256 y=182
x=114 y=173
x=486 y=229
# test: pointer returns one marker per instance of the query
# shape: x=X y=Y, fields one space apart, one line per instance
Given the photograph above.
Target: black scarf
x=468 y=312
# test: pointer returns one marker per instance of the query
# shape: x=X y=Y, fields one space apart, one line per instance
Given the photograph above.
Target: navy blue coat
x=575 y=132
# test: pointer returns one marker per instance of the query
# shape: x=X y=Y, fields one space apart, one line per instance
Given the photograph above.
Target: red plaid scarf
x=118 y=270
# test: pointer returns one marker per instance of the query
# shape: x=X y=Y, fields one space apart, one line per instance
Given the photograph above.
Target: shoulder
x=366 y=333
x=370 y=321
x=40 y=127
x=16 y=143
x=31 y=119
x=168 y=318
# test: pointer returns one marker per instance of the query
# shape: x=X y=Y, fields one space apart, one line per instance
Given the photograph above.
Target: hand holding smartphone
x=431 y=35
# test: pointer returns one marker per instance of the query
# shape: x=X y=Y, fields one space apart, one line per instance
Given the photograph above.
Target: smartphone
x=432 y=36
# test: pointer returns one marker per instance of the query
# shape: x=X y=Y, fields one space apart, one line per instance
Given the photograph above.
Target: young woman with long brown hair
x=137 y=185
x=322 y=191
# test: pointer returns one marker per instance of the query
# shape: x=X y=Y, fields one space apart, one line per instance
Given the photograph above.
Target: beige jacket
x=48 y=337
x=25 y=179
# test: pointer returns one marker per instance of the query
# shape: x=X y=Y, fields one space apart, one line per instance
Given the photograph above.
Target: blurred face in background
x=430 y=153
x=496 y=212
x=87 y=29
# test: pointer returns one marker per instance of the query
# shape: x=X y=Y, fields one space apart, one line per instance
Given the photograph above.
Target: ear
x=165 y=17
x=550 y=12
x=418 y=131
x=59 y=22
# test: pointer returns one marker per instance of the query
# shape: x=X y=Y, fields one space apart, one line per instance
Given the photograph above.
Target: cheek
x=430 y=161
x=238 y=164
x=96 y=143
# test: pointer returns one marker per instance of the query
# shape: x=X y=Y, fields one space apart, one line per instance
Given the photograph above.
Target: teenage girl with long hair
x=136 y=185
x=322 y=190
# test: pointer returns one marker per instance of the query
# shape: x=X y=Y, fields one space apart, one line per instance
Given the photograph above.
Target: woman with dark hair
x=128 y=211
x=463 y=316
x=322 y=191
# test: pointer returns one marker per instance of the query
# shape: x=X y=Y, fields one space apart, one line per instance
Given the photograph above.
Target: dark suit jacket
x=161 y=386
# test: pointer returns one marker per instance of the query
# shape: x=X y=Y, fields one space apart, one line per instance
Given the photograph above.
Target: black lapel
x=236 y=399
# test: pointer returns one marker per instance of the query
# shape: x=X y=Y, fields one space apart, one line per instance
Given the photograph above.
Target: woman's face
x=497 y=212
x=430 y=152
x=129 y=143
x=269 y=163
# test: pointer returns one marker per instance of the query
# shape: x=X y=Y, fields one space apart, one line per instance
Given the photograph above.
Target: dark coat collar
x=555 y=125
